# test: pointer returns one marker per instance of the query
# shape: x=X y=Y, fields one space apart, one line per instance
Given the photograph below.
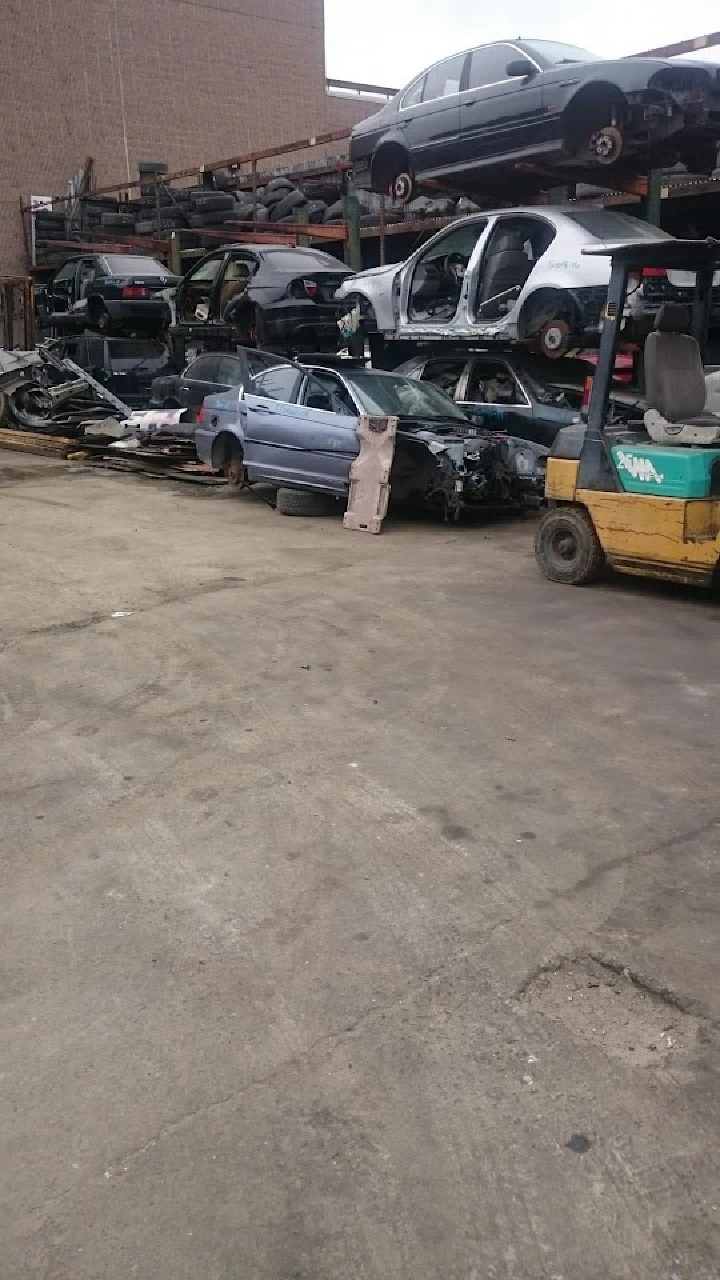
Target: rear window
x=603 y=224
x=137 y=354
x=306 y=260
x=129 y=265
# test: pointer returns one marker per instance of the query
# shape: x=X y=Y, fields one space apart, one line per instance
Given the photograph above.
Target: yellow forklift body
x=652 y=536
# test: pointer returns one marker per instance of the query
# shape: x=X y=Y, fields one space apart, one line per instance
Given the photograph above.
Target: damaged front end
x=678 y=110
x=477 y=469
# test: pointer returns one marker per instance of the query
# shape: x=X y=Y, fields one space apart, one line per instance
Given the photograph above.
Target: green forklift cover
x=668 y=472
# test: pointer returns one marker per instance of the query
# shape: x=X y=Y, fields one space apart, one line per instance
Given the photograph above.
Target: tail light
x=134 y=291
x=587 y=391
x=201 y=414
x=304 y=288
x=653 y=273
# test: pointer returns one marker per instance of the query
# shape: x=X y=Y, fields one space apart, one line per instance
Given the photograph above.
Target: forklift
x=638 y=487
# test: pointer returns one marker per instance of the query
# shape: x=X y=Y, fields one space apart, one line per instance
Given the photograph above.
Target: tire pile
x=212 y=207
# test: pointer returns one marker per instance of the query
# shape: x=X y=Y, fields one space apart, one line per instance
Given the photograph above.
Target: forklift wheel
x=567 y=547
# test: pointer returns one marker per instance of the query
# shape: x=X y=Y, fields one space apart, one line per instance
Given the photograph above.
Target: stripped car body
x=497 y=391
x=295 y=426
x=510 y=275
x=483 y=113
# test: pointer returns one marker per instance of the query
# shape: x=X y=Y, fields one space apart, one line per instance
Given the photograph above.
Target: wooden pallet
x=37 y=442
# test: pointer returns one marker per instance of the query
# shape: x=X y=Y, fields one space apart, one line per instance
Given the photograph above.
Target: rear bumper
x=312 y=325
x=143 y=312
x=361 y=171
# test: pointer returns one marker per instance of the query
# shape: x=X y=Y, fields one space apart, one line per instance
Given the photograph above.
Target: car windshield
x=552 y=51
x=385 y=393
x=128 y=265
x=605 y=225
x=304 y=260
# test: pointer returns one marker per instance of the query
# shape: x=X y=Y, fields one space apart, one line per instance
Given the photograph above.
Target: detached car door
x=61 y=290
x=499 y=114
x=429 y=117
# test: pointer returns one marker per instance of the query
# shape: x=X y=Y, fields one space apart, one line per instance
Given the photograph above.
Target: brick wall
x=186 y=81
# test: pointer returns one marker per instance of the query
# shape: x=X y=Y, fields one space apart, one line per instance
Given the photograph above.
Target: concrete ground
x=359 y=900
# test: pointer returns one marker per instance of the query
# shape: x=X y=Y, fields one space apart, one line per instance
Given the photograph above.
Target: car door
x=233 y=280
x=61 y=289
x=274 y=426
x=201 y=379
x=499 y=114
x=331 y=438
x=196 y=293
x=491 y=396
x=429 y=118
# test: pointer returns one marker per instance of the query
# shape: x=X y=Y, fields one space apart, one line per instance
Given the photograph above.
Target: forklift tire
x=567 y=547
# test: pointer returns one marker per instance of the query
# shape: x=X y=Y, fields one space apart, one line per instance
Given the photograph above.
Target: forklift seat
x=675 y=387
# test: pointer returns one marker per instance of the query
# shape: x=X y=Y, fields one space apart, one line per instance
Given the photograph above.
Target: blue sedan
x=294 y=426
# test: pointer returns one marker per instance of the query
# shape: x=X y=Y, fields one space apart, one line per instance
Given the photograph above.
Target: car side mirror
x=519 y=68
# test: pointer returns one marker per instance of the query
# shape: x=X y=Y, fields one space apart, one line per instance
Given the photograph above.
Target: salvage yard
x=359 y=906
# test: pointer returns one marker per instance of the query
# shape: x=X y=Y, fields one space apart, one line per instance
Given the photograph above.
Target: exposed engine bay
x=472 y=469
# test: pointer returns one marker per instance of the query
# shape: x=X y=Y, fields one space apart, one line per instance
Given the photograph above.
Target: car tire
x=213 y=202
x=567 y=548
x=118 y=220
x=283 y=185
x=302 y=502
x=289 y=203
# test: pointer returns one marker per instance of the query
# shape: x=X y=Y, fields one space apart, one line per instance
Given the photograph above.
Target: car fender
x=376 y=287
x=222 y=414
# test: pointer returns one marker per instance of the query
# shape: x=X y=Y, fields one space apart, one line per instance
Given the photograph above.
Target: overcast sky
x=387 y=41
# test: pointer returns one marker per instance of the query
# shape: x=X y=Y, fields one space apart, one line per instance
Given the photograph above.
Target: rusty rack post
x=8 y=296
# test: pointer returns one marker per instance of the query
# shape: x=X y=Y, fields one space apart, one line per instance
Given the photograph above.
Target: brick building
x=185 y=81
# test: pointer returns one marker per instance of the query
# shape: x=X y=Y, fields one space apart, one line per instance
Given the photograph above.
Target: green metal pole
x=303 y=218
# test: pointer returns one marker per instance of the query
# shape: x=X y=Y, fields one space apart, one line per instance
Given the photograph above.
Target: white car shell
x=560 y=272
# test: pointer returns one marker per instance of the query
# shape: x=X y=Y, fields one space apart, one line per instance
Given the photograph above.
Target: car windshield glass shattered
x=552 y=51
x=127 y=265
x=402 y=397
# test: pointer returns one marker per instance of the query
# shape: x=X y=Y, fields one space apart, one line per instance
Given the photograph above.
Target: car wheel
x=606 y=145
x=567 y=547
x=402 y=188
x=555 y=338
x=594 y=128
x=301 y=502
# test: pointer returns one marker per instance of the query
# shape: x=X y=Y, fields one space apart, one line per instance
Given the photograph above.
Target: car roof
x=689 y=255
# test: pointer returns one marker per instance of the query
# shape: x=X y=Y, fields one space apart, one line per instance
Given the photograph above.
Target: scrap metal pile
x=41 y=392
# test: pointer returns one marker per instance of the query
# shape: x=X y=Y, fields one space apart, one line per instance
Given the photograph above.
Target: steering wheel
x=454 y=266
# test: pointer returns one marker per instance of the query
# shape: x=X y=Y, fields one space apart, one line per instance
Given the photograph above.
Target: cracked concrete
x=279 y=851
